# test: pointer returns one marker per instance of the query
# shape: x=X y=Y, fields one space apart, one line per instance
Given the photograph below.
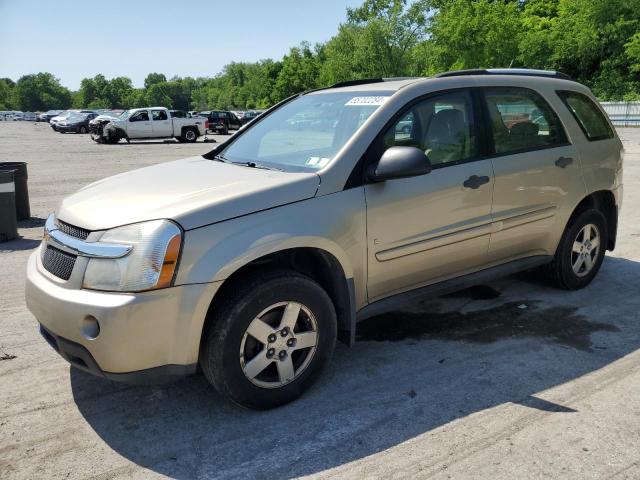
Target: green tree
x=7 y=101
x=376 y=41
x=473 y=34
x=154 y=78
x=299 y=72
x=41 y=91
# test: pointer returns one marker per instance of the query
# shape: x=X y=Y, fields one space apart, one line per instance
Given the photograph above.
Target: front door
x=162 y=126
x=537 y=172
x=140 y=125
x=424 y=229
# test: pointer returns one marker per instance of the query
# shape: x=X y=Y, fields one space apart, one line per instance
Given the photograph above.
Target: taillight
x=206 y=124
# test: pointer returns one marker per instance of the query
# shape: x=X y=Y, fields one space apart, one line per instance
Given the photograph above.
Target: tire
x=562 y=271
x=258 y=304
x=189 y=135
x=83 y=129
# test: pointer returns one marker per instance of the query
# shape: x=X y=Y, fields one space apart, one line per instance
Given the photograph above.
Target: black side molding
x=397 y=301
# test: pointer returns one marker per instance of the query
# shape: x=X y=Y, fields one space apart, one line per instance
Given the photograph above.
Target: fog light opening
x=90 y=327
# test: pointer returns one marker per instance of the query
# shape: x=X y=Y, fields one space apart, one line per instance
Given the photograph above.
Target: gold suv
x=336 y=204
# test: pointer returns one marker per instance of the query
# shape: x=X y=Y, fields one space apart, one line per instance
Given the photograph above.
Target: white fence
x=623 y=114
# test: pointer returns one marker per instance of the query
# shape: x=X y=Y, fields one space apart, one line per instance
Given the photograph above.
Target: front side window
x=142 y=116
x=591 y=120
x=159 y=115
x=306 y=133
x=442 y=126
x=521 y=120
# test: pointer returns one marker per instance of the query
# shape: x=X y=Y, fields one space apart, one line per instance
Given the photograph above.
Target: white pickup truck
x=146 y=123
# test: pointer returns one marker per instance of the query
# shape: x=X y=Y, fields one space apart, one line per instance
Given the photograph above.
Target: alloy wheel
x=278 y=344
x=584 y=252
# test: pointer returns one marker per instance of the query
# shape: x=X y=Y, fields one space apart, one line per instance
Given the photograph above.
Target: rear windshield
x=590 y=118
x=306 y=133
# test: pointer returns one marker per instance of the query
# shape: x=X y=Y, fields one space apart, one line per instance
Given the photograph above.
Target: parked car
x=65 y=115
x=146 y=123
x=18 y=116
x=221 y=121
x=76 y=123
x=178 y=114
x=6 y=116
x=29 y=117
x=48 y=115
x=247 y=261
x=250 y=115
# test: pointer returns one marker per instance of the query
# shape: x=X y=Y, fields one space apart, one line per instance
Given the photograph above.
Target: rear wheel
x=269 y=340
x=581 y=251
x=83 y=129
x=189 y=135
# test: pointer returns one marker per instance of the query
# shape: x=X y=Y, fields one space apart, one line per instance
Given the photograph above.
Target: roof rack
x=364 y=81
x=528 y=72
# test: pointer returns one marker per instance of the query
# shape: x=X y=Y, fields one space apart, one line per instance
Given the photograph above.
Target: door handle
x=564 y=162
x=474 y=181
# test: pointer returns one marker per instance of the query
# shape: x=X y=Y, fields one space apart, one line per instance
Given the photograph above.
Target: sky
x=77 y=39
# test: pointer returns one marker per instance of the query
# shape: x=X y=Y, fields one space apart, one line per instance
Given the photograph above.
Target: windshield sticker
x=369 y=101
x=317 y=161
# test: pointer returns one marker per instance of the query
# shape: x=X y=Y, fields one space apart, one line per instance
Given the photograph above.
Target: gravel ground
x=502 y=381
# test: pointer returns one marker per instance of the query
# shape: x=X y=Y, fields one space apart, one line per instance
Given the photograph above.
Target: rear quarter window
x=590 y=118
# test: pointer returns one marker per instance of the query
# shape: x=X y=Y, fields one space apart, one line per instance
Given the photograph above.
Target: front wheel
x=580 y=252
x=83 y=129
x=269 y=340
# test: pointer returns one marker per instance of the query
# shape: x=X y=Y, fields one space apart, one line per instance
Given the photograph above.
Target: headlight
x=151 y=263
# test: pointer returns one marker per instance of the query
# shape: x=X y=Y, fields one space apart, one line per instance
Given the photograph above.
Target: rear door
x=139 y=125
x=427 y=228
x=537 y=171
x=162 y=126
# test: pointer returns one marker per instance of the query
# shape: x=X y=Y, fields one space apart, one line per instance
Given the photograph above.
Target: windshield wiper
x=223 y=159
x=256 y=165
x=220 y=158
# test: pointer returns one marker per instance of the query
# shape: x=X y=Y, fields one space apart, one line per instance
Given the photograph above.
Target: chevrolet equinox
x=250 y=261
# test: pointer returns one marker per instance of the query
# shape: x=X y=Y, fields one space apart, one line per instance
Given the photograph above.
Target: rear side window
x=521 y=120
x=592 y=122
x=159 y=115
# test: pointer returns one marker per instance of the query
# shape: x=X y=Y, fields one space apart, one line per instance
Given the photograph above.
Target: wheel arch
x=318 y=264
x=605 y=202
x=189 y=127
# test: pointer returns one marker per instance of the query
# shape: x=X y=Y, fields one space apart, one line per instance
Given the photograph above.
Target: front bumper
x=142 y=336
x=66 y=128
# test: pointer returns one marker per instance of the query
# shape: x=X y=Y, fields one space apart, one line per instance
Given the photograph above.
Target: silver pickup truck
x=147 y=123
x=252 y=260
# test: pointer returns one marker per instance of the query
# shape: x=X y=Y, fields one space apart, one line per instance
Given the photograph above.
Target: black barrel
x=23 y=211
x=8 y=222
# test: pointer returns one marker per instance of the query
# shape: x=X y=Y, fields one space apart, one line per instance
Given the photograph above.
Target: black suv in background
x=221 y=121
x=251 y=115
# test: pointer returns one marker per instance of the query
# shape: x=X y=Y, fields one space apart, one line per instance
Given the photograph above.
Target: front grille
x=57 y=262
x=73 y=231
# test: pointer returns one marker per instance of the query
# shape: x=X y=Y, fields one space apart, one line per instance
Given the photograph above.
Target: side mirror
x=400 y=162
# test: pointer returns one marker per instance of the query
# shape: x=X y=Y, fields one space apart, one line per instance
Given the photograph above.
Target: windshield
x=307 y=132
x=124 y=115
x=77 y=117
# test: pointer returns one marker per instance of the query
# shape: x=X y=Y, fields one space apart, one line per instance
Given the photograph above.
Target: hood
x=193 y=192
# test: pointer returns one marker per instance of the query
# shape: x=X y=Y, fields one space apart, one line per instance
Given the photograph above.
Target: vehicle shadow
x=18 y=244
x=409 y=373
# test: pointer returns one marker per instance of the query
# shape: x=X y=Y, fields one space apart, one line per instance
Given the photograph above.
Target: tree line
x=597 y=42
